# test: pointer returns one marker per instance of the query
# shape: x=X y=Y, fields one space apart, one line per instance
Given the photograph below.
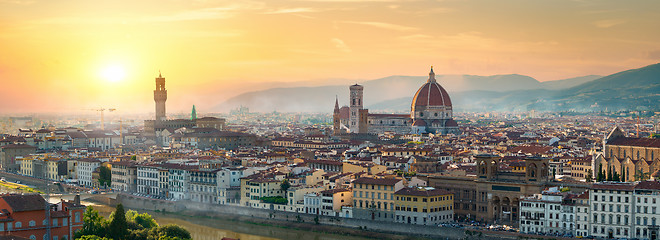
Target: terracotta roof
x=431 y=94
x=650 y=185
x=451 y=123
x=17 y=146
x=333 y=191
x=422 y=192
x=23 y=203
x=419 y=122
x=378 y=115
x=377 y=181
x=614 y=186
x=637 y=142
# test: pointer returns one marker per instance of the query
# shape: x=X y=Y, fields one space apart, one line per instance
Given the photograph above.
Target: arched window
x=19 y=224
x=33 y=237
x=32 y=223
x=637 y=154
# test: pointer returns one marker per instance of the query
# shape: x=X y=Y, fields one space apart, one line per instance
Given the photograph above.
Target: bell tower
x=355 y=108
x=160 y=96
x=336 y=119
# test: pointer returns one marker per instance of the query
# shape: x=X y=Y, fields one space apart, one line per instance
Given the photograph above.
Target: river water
x=216 y=229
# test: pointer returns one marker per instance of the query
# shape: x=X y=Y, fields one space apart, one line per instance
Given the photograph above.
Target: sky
x=77 y=55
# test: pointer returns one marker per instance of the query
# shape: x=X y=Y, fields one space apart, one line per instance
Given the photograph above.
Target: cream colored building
x=373 y=197
x=423 y=206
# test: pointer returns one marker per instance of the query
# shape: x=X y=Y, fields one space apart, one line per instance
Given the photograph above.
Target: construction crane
x=102 y=110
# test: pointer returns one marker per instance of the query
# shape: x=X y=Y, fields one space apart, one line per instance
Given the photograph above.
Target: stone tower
x=336 y=119
x=193 y=114
x=160 y=96
x=355 y=108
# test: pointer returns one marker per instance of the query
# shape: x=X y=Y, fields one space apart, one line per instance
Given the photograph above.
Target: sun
x=113 y=73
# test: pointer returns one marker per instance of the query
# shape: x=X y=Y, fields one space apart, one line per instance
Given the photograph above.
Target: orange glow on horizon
x=71 y=55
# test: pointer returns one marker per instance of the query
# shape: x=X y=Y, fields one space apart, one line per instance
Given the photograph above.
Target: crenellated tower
x=160 y=97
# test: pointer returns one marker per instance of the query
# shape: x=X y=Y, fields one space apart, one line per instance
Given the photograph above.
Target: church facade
x=633 y=159
x=430 y=112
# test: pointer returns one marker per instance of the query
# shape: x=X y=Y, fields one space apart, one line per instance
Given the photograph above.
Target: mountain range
x=635 y=89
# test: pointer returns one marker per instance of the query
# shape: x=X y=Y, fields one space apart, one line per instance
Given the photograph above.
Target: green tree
x=145 y=220
x=610 y=177
x=599 y=177
x=285 y=185
x=171 y=231
x=93 y=224
x=105 y=176
x=118 y=227
x=91 y=237
x=589 y=176
x=623 y=174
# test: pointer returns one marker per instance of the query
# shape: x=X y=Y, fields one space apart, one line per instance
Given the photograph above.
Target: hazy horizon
x=68 y=56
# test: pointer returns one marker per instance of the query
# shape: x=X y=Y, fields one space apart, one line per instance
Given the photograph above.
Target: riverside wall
x=216 y=210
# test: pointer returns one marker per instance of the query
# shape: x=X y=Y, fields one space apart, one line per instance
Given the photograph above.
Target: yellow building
x=424 y=206
x=253 y=189
x=373 y=198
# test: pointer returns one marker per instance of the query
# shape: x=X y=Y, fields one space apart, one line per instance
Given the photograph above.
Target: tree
x=589 y=176
x=623 y=174
x=609 y=174
x=171 y=231
x=600 y=177
x=105 y=176
x=93 y=224
x=641 y=175
x=91 y=237
x=145 y=220
x=285 y=185
x=118 y=228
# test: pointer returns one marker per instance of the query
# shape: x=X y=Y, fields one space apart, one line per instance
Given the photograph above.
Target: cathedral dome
x=431 y=94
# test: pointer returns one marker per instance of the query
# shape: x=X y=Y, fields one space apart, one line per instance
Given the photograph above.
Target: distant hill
x=632 y=89
x=310 y=99
x=569 y=82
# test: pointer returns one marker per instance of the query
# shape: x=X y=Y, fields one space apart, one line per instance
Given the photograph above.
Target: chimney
x=76 y=199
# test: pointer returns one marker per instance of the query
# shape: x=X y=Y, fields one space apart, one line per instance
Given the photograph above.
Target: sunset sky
x=65 y=56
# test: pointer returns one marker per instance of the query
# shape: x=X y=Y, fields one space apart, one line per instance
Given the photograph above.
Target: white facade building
x=85 y=168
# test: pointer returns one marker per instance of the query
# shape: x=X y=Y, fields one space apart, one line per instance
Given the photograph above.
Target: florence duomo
x=430 y=112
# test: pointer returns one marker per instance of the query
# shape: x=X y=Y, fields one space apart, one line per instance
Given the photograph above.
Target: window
x=33 y=237
x=19 y=224
x=32 y=223
x=55 y=222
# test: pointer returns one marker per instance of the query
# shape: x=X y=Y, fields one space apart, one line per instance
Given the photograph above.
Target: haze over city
x=67 y=56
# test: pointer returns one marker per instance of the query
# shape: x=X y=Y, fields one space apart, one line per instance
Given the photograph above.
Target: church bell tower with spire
x=336 y=119
x=160 y=96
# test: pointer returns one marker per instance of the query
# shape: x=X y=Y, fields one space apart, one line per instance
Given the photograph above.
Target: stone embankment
x=310 y=221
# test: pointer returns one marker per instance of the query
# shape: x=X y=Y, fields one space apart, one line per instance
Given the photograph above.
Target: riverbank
x=307 y=222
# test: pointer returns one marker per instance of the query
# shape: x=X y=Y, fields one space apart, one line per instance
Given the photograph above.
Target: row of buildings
x=608 y=210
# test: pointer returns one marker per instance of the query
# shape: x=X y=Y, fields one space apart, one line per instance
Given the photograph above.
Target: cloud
x=608 y=23
x=655 y=55
x=292 y=10
x=339 y=44
x=383 y=25
x=19 y=2
x=207 y=13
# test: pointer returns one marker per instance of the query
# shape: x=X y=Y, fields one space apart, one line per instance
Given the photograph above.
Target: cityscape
x=391 y=131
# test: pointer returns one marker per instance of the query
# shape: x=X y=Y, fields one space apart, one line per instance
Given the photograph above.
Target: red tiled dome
x=431 y=94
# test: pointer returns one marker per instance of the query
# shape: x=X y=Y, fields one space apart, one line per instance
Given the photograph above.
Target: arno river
x=215 y=229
